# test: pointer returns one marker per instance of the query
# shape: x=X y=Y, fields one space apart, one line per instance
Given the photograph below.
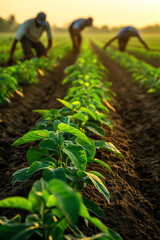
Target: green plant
x=54 y=207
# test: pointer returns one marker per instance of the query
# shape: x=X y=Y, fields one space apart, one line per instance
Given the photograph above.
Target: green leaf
x=50 y=173
x=41 y=111
x=20 y=175
x=57 y=138
x=67 y=104
x=95 y=129
x=108 y=123
x=103 y=164
x=80 y=116
x=89 y=112
x=35 y=195
x=89 y=148
x=68 y=200
x=108 y=146
x=36 y=166
x=96 y=181
x=54 y=113
x=77 y=155
x=93 y=207
x=36 y=154
x=32 y=218
x=74 y=131
x=97 y=174
x=57 y=234
x=17 y=231
x=55 y=124
x=48 y=144
x=32 y=136
x=15 y=219
x=16 y=202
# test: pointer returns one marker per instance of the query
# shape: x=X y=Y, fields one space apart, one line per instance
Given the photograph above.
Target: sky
x=105 y=12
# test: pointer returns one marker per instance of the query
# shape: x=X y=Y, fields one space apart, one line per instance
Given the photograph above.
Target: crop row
x=64 y=152
x=27 y=72
x=142 y=72
x=153 y=55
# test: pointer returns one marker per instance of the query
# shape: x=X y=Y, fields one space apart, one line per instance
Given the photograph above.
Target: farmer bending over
x=29 y=34
x=75 y=29
x=123 y=37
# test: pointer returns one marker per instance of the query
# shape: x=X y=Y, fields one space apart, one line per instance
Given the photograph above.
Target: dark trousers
x=122 y=42
x=76 y=45
x=27 y=46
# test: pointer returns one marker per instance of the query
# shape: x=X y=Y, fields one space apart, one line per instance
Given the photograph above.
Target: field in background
x=153 y=40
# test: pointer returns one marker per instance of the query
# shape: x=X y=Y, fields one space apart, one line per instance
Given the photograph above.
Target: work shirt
x=79 y=24
x=31 y=31
x=128 y=32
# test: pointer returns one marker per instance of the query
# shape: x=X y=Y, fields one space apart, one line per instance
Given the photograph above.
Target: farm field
x=131 y=102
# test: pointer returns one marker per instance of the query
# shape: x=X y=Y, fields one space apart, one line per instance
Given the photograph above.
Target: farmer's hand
x=46 y=52
x=11 y=61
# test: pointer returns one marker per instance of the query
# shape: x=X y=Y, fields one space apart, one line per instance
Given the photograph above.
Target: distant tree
x=3 y=25
x=11 y=20
x=9 y=24
x=104 y=28
x=151 y=29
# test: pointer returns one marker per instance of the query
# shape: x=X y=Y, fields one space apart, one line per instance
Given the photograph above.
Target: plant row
x=153 y=55
x=27 y=72
x=67 y=146
x=142 y=72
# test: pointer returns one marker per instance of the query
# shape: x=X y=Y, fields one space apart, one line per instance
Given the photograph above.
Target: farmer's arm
x=145 y=45
x=20 y=33
x=109 y=42
x=142 y=41
x=13 y=48
x=50 y=43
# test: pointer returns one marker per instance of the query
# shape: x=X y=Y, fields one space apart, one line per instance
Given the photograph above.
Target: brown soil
x=134 y=188
x=134 y=210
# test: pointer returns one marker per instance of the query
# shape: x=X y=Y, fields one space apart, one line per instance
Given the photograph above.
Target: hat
x=90 y=20
x=41 y=17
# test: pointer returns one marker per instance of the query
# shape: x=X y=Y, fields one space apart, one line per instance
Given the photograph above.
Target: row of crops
x=27 y=72
x=151 y=55
x=142 y=72
x=67 y=147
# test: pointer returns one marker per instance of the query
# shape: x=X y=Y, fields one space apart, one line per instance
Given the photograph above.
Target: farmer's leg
x=72 y=38
x=79 y=41
x=125 y=43
x=27 y=47
x=122 y=44
x=39 y=47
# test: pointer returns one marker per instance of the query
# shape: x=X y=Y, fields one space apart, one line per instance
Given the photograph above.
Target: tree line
x=11 y=25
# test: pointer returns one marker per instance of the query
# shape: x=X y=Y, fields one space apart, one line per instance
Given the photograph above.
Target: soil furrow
x=135 y=197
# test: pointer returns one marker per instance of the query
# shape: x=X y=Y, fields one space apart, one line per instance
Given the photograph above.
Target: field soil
x=133 y=210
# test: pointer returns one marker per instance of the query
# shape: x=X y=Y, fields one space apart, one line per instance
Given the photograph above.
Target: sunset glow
x=62 y=12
